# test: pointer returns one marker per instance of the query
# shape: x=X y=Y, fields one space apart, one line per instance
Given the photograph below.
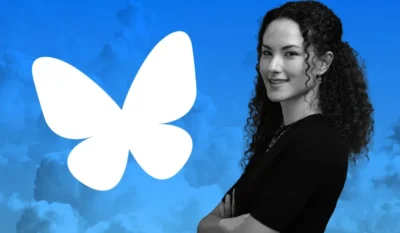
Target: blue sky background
x=109 y=40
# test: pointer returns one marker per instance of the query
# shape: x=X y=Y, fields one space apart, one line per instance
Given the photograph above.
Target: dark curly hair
x=343 y=96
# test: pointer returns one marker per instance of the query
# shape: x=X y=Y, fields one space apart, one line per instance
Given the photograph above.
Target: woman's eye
x=291 y=54
x=266 y=53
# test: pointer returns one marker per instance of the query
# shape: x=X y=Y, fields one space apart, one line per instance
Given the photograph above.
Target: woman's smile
x=277 y=82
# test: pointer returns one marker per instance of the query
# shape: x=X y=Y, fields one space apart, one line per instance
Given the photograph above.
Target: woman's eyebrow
x=284 y=47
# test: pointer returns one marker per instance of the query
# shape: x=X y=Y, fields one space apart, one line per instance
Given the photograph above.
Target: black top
x=294 y=187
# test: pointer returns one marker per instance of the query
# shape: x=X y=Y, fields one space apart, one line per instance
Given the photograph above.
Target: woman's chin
x=276 y=98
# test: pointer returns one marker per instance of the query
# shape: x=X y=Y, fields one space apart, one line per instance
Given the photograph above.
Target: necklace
x=277 y=136
x=280 y=132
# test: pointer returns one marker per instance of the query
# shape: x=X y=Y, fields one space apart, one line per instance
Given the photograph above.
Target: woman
x=309 y=116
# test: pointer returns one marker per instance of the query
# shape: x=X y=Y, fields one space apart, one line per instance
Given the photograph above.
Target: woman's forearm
x=210 y=224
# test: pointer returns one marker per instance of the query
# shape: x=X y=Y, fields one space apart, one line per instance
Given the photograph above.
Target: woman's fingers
x=233 y=204
x=222 y=210
x=228 y=207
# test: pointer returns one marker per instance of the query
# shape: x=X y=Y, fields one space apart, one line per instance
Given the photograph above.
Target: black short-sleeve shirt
x=294 y=187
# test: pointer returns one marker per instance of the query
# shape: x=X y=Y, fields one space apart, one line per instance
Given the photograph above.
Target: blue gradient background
x=109 y=41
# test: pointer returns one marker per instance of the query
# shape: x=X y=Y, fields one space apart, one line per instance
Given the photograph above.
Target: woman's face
x=282 y=62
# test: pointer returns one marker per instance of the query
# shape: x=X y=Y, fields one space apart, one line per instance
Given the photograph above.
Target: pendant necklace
x=278 y=135
x=282 y=131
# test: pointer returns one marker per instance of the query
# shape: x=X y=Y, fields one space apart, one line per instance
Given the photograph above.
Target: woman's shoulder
x=320 y=133
x=317 y=138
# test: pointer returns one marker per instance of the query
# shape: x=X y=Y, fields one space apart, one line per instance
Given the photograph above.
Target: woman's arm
x=252 y=225
x=210 y=223
x=292 y=185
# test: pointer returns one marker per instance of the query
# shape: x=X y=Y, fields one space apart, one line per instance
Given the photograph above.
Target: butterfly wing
x=75 y=107
x=163 y=91
x=99 y=162
x=161 y=150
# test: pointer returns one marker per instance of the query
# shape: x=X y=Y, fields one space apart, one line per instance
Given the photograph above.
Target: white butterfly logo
x=75 y=107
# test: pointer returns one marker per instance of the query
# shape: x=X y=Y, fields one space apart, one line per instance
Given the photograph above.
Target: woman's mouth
x=277 y=81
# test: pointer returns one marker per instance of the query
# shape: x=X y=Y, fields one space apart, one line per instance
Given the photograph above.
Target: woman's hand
x=227 y=209
x=228 y=225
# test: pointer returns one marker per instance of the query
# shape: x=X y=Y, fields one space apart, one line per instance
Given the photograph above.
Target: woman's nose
x=275 y=65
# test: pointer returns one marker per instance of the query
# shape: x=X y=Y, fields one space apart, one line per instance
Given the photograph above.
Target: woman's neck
x=298 y=108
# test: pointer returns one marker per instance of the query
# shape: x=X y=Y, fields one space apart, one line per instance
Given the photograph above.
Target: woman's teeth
x=278 y=81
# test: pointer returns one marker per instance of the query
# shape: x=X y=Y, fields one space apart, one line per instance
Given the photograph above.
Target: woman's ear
x=325 y=62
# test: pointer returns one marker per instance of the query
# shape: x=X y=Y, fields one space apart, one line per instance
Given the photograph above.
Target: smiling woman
x=282 y=65
x=309 y=116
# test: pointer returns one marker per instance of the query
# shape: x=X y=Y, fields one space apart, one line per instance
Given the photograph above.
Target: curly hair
x=343 y=96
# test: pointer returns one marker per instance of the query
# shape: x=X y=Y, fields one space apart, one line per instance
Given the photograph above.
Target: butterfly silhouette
x=75 y=107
